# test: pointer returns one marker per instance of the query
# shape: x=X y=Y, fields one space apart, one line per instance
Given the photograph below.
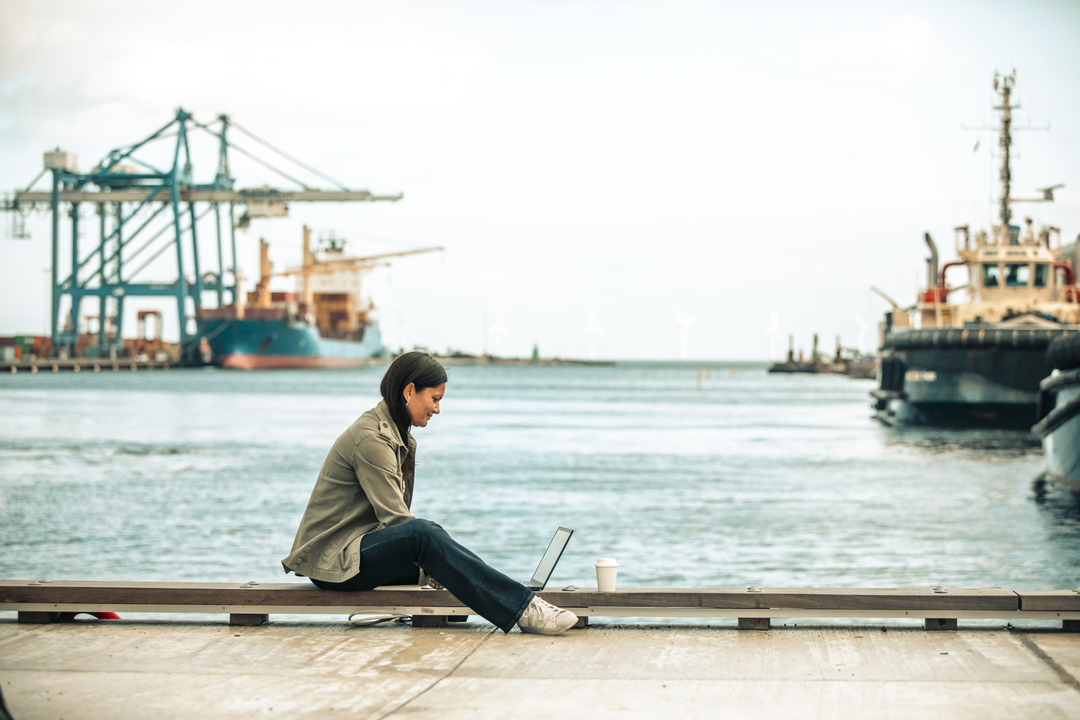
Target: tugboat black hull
x=975 y=377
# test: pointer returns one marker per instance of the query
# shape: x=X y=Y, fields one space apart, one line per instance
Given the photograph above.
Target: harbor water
x=741 y=478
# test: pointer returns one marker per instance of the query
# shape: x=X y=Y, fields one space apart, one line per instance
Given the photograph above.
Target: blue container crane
x=145 y=211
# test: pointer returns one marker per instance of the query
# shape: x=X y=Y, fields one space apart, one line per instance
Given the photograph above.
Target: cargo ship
x=326 y=323
x=974 y=355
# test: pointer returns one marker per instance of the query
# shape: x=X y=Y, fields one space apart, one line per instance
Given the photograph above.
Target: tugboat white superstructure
x=973 y=356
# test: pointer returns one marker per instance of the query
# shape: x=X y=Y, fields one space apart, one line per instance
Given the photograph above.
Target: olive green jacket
x=360 y=488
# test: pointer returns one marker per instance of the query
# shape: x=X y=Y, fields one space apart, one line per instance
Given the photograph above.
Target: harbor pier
x=182 y=669
x=91 y=365
x=750 y=652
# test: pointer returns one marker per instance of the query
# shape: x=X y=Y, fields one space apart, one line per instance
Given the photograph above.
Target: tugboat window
x=991 y=275
x=1042 y=274
x=1016 y=275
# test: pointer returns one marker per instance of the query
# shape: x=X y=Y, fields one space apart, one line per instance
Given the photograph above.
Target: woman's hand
x=435 y=584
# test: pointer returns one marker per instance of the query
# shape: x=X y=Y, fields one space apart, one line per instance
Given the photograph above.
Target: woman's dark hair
x=415 y=367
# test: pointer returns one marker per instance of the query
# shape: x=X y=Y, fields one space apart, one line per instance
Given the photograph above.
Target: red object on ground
x=69 y=616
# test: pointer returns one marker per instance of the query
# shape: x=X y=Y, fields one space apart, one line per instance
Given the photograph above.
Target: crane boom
x=380 y=256
x=189 y=195
x=896 y=305
x=326 y=269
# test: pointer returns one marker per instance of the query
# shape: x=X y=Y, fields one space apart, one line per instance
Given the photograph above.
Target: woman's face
x=422 y=404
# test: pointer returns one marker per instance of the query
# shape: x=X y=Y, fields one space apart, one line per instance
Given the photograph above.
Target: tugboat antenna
x=1004 y=89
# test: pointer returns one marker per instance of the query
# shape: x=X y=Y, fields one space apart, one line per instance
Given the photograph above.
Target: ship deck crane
x=144 y=210
x=315 y=266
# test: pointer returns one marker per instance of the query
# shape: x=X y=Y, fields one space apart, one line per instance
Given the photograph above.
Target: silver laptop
x=551 y=557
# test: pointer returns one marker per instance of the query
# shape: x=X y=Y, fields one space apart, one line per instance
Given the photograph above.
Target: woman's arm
x=379 y=474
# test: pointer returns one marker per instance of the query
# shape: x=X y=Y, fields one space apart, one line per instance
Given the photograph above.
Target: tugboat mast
x=1003 y=86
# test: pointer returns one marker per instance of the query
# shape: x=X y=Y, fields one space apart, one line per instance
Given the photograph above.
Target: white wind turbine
x=773 y=331
x=593 y=330
x=499 y=329
x=684 y=333
x=860 y=345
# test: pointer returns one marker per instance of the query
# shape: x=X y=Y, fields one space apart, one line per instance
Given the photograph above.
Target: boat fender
x=1033 y=338
x=1064 y=352
x=1056 y=418
x=1051 y=386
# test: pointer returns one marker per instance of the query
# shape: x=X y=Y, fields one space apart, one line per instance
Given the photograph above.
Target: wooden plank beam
x=252 y=602
x=301 y=594
x=990 y=599
x=231 y=594
x=1043 y=600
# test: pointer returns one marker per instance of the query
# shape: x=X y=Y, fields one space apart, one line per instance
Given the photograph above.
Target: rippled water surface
x=747 y=479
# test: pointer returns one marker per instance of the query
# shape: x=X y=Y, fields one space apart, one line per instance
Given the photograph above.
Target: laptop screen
x=554 y=552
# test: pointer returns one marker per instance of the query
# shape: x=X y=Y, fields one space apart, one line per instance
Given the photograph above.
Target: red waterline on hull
x=284 y=362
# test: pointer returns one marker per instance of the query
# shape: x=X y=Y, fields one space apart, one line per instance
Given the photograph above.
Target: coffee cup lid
x=606 y=561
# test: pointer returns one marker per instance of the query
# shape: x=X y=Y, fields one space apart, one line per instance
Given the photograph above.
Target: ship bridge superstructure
x=1010 y=276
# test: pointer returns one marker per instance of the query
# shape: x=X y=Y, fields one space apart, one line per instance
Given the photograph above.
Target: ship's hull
x=980 y=377
x=1061 y=444
x=1059 y=413
x=256 y=343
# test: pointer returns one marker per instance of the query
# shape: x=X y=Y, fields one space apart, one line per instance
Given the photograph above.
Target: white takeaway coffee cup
x=606 y=570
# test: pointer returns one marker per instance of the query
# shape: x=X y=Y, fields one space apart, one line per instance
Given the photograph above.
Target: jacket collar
x=388 y=427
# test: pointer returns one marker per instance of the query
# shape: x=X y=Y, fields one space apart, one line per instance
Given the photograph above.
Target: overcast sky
x=719 y=160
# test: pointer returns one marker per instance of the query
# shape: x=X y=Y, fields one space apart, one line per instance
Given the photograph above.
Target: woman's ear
x=408 y=392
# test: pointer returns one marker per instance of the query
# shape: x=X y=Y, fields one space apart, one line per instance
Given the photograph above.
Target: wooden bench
x=252 y=603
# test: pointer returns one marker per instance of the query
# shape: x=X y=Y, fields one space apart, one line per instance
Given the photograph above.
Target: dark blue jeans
x=393 y=556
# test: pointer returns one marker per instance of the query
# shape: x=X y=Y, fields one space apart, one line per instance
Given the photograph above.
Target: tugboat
x=977 y=361
x=1059 y=412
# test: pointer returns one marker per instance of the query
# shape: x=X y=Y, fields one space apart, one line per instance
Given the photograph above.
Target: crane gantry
x=145 y=210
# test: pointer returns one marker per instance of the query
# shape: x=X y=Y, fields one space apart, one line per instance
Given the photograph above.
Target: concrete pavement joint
x=1065 y=675
x=449 y=673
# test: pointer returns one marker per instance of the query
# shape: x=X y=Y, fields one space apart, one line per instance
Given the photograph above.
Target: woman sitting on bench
x=357 y=532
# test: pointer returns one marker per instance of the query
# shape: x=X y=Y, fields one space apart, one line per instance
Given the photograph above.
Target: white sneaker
x=543 y=618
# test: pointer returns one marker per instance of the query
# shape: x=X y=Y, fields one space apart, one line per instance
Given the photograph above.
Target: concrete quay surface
x=116 y=670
